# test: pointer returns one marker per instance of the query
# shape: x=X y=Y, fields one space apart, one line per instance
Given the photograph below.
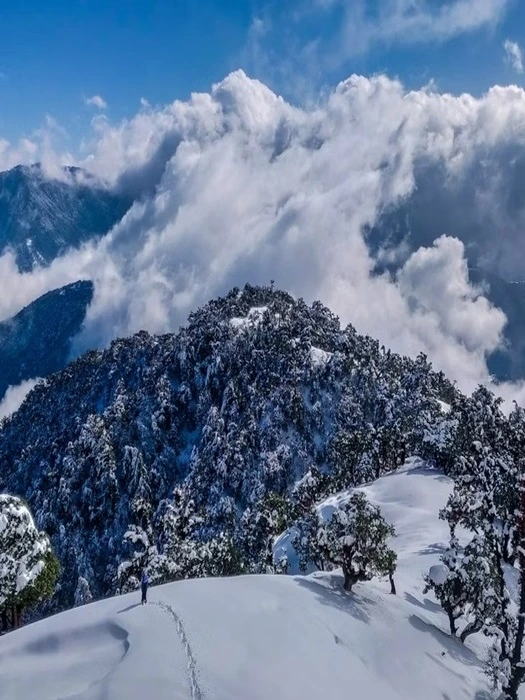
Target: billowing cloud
x=513 y=55
x=239 y=186
x=96 y=101
x=15 y=396
x=435 y=283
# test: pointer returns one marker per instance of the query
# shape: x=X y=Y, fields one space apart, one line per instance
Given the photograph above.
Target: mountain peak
x=42 y=217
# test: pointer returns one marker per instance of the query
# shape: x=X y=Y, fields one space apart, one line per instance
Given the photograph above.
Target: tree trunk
x=471 y=628
x=349 y=580
x=517 y=670
x=451 y=621
x=392 y=584
x=4 y=619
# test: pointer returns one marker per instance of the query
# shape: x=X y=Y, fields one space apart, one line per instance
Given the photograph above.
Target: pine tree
x=489 y=500
x=28 y=568
x=83 y=594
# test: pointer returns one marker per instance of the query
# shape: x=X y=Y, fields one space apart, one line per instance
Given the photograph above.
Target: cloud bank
x=239 y=186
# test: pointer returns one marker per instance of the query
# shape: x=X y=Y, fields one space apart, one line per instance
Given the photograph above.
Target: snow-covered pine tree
x=28 y=568
x=83 y=594
x=489 y=500
x=258 y=529
x=308 y=543
x=465 y=585
x=308 y=491
x=140 y=540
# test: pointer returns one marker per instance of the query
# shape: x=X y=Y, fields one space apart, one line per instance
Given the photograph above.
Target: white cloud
x=25 y=151
x=286 y=42
x=15 y=396
x=96 y=101
x=239 y=186
x=435 y=283
x=513 y=55
x=407 y=22
x=47 y=145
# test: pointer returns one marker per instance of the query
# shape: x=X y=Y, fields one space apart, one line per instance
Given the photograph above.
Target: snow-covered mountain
x=42 y=217
x=265 y=637
x=36 y=342
x=256 y=389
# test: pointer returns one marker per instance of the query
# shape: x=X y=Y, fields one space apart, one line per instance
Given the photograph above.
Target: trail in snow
x=196 y=691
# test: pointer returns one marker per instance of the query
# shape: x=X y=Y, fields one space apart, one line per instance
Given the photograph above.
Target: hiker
x=144 y=585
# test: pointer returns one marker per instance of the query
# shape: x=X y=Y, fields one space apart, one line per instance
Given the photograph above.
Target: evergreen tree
x=28 y=568
x=489 y=500
x=83 y=594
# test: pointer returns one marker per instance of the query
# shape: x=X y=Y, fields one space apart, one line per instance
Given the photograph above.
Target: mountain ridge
x=37 y=341
x=43 y=217
x=234 y=407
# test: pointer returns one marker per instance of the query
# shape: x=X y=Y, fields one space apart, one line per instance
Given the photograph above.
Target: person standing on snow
x=144 y=585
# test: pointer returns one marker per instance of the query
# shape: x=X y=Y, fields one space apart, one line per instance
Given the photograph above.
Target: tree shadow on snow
x=335 y=596
x=426 y=471
x=434 y=548
x=451 y=647
x=426 y=604
x=480 y=695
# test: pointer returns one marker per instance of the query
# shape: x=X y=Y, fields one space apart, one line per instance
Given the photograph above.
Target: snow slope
x=263 y=637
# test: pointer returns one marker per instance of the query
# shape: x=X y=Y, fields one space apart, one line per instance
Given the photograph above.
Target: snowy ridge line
x=196 y=691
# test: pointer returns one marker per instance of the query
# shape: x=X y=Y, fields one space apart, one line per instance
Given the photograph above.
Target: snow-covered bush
x=355 y=538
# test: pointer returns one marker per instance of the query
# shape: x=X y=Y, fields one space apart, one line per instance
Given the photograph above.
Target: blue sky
x=55 y=55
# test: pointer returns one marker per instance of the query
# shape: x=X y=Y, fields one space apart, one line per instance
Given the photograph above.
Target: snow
x=254 y=317
x=445 y=407
x=265 y=637
x=318 y=357
x=438 y=574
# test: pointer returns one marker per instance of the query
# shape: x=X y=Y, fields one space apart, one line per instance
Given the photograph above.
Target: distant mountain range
x=509 y=362
x=42 y=218
x=36 y=342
